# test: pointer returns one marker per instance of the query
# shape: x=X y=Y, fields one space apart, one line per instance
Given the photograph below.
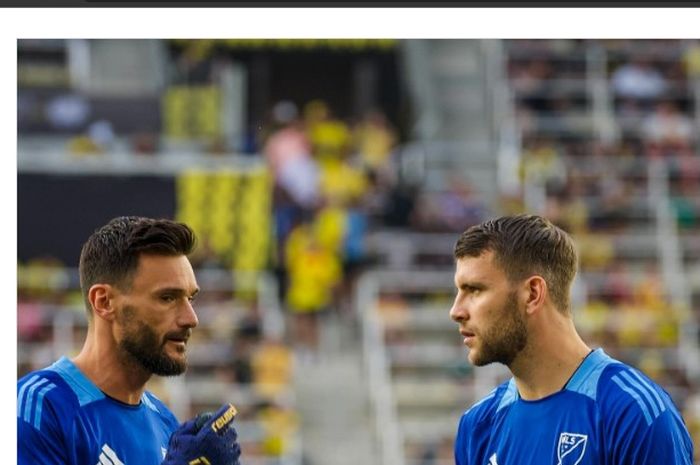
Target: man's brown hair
x=523 y=246
x=111 y=254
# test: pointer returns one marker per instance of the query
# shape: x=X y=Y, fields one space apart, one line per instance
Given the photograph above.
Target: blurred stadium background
x=328 y=180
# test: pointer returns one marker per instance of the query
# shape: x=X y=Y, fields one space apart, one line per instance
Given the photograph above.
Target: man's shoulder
x=640 y=417
x=62 y=378
x=487 y=407
x=612 y=384
x=45 y=401
x=624 y=392
x=42 y=384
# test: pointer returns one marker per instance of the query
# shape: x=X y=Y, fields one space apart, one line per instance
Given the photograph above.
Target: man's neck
x=122 y=381
x=546 y=365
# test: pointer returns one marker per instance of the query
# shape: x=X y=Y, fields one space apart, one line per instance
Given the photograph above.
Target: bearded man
x=138 y=286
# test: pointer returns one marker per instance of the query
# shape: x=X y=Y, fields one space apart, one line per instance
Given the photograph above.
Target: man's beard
x=140 y=343
x=506 y=337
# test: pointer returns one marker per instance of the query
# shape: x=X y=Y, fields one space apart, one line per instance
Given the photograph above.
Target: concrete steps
x=331 y=394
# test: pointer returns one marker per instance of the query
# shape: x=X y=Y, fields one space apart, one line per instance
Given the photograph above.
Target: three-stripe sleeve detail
x=645 y=395
x=645 y=390
x=40 y=405
x=31 y=399
x=22 y=392
x=654 y=393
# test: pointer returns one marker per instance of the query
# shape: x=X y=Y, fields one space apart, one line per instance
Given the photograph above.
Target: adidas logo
x=109 y=457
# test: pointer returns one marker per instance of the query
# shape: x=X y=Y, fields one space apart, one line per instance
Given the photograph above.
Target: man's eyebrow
x=176 y=290
x=475 y=284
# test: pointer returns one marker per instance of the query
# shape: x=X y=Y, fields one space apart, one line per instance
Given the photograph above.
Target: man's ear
x=535 y=290
x=101 y=297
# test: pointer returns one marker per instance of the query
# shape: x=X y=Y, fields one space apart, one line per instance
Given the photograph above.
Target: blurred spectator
x=667 y=131
x=649 y=290
x=44 y=279
x=30 y=320
x=353 y=247
x=313 y=272
x=145 y=143
x=342 y=183
x=529 y=80
x=400 y=205
x=68 y=112
x=278 y=424
x=612 y=208
x=374 y=138
x=271 y=364
x=451 y=210
x=330 y=138
x=594 y=319
x=685 y=200
x=329 y=228
x=652 y=364
x=686 y=211
x=638 y=79
x=542 y=163
x=102 y=134
x=296 y=174
x=288 y=154
x=567 y=207
x=83 y=145
x=596 y=251
x=616 y=287
x=691 y=59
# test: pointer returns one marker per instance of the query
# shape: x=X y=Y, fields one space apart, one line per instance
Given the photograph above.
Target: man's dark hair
x=526 y=245
x=111 y=254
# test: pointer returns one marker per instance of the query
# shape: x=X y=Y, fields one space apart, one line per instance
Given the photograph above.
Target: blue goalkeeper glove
x=208 y=439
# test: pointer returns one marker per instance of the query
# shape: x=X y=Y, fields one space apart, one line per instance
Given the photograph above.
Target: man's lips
x=178 y=338
x=468 y=337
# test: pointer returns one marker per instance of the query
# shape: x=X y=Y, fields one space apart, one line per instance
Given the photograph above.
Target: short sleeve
x=40 y=442
x=664 y=441
x=643 y=426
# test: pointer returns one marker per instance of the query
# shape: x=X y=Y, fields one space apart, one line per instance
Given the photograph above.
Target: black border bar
x=347 y=4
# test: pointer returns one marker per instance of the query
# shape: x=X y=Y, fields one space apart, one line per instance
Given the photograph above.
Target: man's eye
x=167 y=298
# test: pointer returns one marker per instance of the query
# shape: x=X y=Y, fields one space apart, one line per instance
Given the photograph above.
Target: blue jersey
x=63 y=418
x=607 y=414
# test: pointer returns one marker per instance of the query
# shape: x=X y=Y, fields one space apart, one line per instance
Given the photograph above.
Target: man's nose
x=188 y=316
x=459 y=312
